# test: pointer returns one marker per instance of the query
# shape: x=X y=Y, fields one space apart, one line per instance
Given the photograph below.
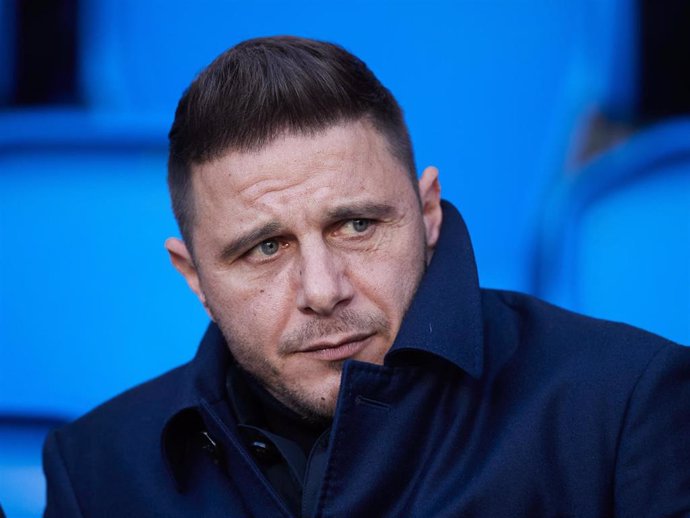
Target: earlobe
x=430 y=196
x=183 y=262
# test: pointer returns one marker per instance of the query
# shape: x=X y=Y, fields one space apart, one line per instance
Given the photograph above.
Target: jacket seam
x=332 y=456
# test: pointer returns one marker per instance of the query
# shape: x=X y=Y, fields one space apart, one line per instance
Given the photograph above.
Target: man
x=353 y=367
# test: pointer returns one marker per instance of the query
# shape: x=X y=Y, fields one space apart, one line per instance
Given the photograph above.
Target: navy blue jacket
x=490 y=404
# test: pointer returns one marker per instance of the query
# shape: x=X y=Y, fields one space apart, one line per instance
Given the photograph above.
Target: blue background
x=499 y=95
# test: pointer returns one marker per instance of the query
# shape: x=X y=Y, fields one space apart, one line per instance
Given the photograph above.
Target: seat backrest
x=615 y=239
x=22 y=485
x=90 y=303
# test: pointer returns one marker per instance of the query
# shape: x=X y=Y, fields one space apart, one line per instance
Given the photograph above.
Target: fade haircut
x=265 y=87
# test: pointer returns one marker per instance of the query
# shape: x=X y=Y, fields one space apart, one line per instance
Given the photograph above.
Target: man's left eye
x=360 y=225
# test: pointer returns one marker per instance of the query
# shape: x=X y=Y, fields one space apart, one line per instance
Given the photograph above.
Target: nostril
x=322 y=279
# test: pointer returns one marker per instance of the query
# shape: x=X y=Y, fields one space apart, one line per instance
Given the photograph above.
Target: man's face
x=307 y=253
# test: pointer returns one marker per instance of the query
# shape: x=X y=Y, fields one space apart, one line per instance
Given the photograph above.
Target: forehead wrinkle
x=286 y=191
x=283 y=156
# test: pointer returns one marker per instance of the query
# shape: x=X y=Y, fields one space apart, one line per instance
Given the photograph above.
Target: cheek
x=251 y=310
x=389 y=280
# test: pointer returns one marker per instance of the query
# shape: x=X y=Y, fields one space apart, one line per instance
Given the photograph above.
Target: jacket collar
x=444 y=320
x=445 y=317
x=202 y=384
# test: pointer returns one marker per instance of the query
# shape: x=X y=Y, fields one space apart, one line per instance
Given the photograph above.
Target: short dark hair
x=264 y=87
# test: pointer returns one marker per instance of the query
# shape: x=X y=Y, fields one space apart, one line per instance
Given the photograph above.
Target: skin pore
x=308 y=252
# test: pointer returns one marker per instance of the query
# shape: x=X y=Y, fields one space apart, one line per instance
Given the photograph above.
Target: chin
x=318 y=409
x=324 y=401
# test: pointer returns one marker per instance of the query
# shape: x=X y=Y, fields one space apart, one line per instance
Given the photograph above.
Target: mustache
x=346 y=321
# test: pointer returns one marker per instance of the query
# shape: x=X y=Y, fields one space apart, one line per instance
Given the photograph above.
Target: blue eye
x=360 y=225
x=269 y=247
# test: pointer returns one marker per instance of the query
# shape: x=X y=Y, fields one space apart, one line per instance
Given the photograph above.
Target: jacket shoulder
x=140 y=406
x=115 y=445
x=525 y=327
x=612 y=396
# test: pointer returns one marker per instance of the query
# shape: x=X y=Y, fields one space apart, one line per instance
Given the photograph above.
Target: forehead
x=344 y=162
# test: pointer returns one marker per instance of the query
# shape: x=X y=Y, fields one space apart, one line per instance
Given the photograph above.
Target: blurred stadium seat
x=615 y=238
x=21 y=478
x=90 y=302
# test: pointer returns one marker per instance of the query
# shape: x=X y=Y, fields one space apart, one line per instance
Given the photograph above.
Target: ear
x=430 y=196
x=184 y=263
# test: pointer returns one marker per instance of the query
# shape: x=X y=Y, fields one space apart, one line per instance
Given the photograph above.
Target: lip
x=338 y=350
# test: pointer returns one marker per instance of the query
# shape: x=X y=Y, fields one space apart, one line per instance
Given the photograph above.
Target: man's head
x=291 y=172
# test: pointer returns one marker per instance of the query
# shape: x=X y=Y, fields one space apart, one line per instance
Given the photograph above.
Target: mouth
x=342 y=349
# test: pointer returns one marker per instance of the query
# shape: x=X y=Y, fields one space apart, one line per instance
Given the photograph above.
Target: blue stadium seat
x=90 y=304
x=615 y=238
x=22 y=486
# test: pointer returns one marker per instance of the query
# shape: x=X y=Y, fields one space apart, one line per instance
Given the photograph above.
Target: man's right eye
x=265 y=251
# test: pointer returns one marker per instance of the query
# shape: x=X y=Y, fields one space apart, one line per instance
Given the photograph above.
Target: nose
x=324 y=282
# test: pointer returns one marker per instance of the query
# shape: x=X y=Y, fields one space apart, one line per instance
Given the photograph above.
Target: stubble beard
x=313 y=406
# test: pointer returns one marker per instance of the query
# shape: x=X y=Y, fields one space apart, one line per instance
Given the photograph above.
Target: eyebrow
x=249 y=239
x=361 y=210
